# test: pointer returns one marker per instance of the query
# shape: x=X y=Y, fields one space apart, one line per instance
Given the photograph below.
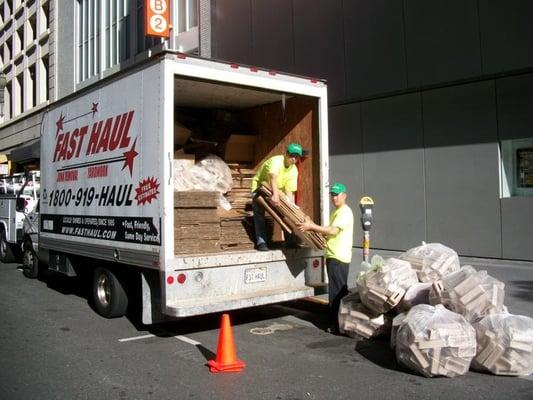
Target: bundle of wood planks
x=289 y=215
x=505 y=345
x=236 y=225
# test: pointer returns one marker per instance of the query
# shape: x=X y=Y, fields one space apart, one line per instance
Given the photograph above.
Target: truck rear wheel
x=30 y=262
x=109 y=296
x=6 y=253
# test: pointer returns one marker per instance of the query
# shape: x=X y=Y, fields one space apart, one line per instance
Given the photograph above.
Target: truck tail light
x=316 y=263
x=170 y=280
x=181 y=278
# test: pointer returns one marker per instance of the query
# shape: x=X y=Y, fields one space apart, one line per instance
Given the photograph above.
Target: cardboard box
x=240 y=148
x=181 y=134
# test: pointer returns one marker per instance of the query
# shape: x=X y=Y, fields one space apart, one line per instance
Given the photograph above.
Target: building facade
x=52 y=48
x=430 y=108
x=429 y=102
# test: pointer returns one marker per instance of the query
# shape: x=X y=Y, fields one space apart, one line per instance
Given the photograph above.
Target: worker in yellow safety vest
x=339 y=242
x=281 y=173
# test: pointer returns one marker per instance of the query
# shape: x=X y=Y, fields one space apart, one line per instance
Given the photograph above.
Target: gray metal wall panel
x=346 y=160
x=394 y=170
x=515 y=105
x=232 y=30
x=506 y=34
x=375 y=48
x=273 y=43
x=460 y=134
x=318 y=43
x=517 y=228
x=442 y=41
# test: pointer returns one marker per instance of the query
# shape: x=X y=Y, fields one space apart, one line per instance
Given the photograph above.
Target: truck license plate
x=253 y=275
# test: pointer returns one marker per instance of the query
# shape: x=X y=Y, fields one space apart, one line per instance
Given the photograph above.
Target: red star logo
x=94 y=108
x=129 y=156
x=59 y=123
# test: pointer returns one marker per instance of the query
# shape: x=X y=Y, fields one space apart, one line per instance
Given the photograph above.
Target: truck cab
x=19 y=195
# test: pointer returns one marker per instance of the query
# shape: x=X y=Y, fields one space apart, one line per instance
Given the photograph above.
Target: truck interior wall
x=276 y=127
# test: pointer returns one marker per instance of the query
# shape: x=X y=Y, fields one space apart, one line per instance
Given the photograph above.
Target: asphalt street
x=54 y=346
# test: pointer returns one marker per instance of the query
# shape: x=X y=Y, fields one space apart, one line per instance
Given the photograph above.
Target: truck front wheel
x=6 y=254
x=30 y=263
x=109 y=296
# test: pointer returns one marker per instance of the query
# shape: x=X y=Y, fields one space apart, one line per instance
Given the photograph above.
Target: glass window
x=516 y=167
x=110 y=38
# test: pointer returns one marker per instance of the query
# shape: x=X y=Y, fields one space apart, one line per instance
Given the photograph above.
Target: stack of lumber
x=432 y=261
x=383 y=286
x=236 y=230
x=505 y=345
x=289 y=215
x=435 y=341
x=356 y=319
x=196 y=222
x=240 y=195
x=236 y=225
x=473 y=294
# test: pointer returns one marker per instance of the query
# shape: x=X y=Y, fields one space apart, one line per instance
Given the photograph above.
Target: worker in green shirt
x=339 y=241
x=282 y=175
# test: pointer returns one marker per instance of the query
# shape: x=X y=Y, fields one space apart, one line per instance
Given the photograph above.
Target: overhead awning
x=29 y=151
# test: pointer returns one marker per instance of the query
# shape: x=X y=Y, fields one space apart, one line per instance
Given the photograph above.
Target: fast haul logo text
x=85 y=147
x=85 y=153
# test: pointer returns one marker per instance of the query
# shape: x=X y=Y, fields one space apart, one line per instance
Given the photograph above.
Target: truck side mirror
x=21 y=204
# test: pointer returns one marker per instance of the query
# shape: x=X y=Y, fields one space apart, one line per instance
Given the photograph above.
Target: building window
x=103 y=35
x=516 y=172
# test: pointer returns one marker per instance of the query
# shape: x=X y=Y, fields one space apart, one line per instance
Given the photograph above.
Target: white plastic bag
x=504 y=344
x=432 y=261
x=471 y=293
x=357 y=320
x=382 y=283
x=435 y=341
x=210 y=174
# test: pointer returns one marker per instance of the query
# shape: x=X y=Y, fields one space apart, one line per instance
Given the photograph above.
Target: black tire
x=30 y=262
x=109 y=297
x=6 y=252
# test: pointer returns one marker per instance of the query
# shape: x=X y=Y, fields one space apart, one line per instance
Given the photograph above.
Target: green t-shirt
x=287 y=178
x=339 y=246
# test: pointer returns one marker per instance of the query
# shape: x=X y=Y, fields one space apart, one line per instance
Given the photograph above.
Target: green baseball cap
x=295 y=148
x=337 y=188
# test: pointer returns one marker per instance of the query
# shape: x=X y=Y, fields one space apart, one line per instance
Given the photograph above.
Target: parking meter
x=366 y=204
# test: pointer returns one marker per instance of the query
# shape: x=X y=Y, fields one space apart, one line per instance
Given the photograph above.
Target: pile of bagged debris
x=443 y=318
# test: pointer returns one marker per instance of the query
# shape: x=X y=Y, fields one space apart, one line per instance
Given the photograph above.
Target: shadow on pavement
x=378 y=351
x=521 y=289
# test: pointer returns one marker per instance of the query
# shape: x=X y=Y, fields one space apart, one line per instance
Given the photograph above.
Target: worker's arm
x=275 y=190
x=309 y=225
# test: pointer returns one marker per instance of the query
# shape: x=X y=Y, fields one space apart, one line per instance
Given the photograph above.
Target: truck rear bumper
x=185 y=308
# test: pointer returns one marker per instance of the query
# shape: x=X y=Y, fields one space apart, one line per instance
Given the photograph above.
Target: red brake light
x=181 y=278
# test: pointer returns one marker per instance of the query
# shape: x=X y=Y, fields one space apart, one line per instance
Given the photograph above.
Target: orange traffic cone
x=226 y=359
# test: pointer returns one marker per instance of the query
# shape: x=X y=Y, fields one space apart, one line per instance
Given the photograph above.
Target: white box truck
x=107 y=195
